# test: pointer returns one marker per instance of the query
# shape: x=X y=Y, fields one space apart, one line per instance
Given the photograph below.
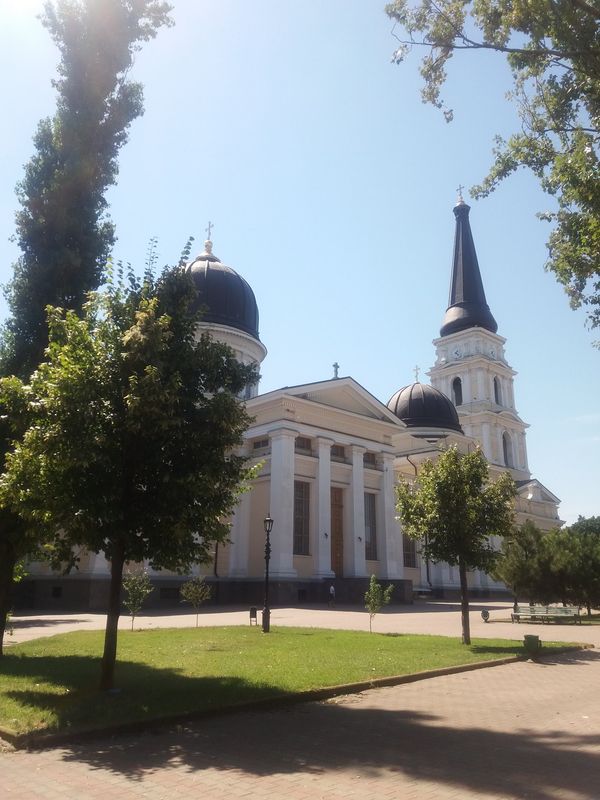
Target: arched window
x=497 y=392
x=457 y=392
x=507 y=449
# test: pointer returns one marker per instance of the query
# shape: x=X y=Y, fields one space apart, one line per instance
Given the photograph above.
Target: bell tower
x=471 y=366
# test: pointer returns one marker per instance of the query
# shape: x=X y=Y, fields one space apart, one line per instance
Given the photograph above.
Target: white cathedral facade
x=331 y=454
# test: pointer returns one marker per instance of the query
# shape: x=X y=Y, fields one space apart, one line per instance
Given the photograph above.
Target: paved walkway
x=518 y=731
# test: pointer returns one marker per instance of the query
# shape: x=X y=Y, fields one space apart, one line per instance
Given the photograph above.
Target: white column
x=282 y=503
x=388 y=533
x=511 y=393
x=323 y=532
x=467 y=389
x=355 y=547
x=500 y=459
x=523 y=442
x=487 y=441
x=239 y=546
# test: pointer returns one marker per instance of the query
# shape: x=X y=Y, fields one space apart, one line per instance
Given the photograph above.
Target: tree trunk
x=464 y=602
x=112 y=620
x=8 y=561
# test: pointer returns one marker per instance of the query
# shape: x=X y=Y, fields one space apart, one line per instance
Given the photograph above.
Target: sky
x=330 y=186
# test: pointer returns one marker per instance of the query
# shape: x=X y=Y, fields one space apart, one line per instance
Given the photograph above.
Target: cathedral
x=330 y=454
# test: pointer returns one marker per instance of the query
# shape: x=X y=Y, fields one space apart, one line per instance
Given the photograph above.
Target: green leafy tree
x=63 y=231
x=136 y=587
x=553 y=49
x=376 y=597
x=131 y=445
x=453 y=509
x=519 y=564
x=196 y=592
x=584 y=561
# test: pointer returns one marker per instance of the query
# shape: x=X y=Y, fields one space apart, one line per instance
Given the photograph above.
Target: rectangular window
x=410 y=551
x=338 y=452
x=260 y=444
x=303 y=444
x=370 y=527
x=370 y=460
x=301 y=518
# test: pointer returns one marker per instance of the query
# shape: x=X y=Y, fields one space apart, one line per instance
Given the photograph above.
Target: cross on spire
x=460 y=193
x=209 y=229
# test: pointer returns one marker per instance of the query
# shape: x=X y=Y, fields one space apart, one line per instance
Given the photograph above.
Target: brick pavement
x=518 y=731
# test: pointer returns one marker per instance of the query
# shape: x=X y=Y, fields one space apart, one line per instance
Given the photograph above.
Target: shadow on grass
x=144 y=693
x=533 y=759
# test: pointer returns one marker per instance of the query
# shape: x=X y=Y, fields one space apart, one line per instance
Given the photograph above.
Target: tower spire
x=467 y=306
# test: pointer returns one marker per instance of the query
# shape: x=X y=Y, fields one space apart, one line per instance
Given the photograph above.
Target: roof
x=467 y=306
x=419 y=405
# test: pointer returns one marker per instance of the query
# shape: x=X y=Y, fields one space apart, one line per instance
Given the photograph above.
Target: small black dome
x=421 y=406
x=227 y=299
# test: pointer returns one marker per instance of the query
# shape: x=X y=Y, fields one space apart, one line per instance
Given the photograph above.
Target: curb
x=32 y=741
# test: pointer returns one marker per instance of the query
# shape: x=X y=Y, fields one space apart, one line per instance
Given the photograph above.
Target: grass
x=50 y=684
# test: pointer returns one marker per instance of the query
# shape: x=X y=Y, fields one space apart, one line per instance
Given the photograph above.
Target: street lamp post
x=266 y=615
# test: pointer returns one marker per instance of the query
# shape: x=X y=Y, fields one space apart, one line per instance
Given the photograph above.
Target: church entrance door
x=337 y=531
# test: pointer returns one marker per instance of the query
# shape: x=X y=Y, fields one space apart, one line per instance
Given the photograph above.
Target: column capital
x=325 y=441
x=358 y=449
x=282 y=433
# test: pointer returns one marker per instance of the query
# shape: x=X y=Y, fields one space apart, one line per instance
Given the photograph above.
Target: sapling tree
x=196 y=592
x=376 y=597
x=136 y=588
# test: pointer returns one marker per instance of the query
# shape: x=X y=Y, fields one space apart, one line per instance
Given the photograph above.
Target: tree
x=553 y=49
x=518 y=565
x=133 y=428
x=195 y=592
x=376 y=597
x=584 y=548
x=454 y=509
x=137 y=587
x=62 y=227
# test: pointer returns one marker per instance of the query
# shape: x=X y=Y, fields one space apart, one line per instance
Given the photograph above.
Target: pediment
x=342 y=394
x=534 y=490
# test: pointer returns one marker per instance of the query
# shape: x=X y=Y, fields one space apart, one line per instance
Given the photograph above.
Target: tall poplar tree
x=63 y=230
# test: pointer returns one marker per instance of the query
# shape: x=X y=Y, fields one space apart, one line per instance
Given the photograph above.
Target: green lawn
x=50 y=684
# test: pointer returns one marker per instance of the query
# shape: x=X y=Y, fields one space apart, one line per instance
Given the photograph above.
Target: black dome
x=227 y=299
x=421 y=406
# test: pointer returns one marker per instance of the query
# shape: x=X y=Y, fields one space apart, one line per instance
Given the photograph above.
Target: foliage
x=48 y=684
x=454 y=510
x=62 y=228
x=195 y=592
x=376 y=597
x=553 y=49
x=137 y=586
x=134 y=422
x=519 y=565
x=557 y=566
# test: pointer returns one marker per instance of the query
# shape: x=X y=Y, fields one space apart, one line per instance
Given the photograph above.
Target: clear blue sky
x=331 y=186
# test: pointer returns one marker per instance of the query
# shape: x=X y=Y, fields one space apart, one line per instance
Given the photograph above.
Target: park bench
x=545 y=613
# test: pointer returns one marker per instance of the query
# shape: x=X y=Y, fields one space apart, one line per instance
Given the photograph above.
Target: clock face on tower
x=456 y=352
x=492 y=352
